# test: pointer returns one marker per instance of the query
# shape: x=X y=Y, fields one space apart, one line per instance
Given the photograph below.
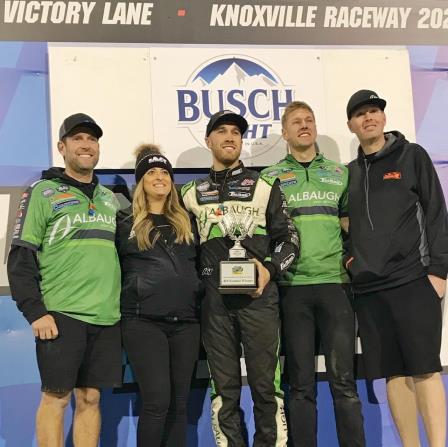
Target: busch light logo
x=241 y=84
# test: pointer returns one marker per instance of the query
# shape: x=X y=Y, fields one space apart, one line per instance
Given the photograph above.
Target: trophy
x=238 y=274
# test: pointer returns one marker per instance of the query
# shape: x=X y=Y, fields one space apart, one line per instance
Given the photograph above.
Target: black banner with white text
x=352 y=22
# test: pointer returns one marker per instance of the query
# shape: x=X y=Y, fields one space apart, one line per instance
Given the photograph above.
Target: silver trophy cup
x=238 y=274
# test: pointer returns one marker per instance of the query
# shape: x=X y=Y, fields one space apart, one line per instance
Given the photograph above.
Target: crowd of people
x=328 y=242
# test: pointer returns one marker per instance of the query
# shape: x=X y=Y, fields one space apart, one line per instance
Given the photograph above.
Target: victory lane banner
x=352 y=22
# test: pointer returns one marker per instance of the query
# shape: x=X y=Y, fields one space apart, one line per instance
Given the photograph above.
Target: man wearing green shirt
x=64 y=275
x=312 y=291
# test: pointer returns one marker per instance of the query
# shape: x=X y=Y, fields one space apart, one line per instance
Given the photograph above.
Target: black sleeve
x=24 y=277
x=285 y=240
x=436 y=217
x=347 y=258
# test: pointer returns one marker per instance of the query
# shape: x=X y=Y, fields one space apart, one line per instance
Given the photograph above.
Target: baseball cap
x=361 y=98
x=79 y=120
x=226 y=116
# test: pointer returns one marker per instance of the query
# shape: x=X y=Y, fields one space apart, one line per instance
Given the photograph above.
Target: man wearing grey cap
x=251 y=320
x=64 y=275
x=397 y=257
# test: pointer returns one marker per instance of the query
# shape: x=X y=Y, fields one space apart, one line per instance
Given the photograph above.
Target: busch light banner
x=176 y=90
x=247 y=82
x=233 y=22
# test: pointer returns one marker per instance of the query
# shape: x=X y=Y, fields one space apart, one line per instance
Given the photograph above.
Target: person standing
x=313 y=292
x=229 y=321
x=159 y=299
x=398 y=260
x=64 y=274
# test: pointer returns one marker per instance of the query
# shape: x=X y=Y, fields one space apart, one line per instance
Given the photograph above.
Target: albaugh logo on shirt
x=67 y=223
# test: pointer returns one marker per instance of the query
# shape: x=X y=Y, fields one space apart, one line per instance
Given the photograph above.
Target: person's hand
x=45 y=327
x=439 y=285
x=263 y=278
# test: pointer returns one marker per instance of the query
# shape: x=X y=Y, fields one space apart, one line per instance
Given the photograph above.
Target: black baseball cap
x=79 y=120
x=362 y=98
x=226 y=116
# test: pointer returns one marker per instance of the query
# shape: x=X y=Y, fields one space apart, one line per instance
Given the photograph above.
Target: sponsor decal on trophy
x=238 y=274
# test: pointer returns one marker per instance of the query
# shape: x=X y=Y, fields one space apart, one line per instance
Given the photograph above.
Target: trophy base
x=237 y=277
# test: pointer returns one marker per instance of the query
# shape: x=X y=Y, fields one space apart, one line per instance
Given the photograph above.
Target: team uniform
x=72 y=238
x=231 y=320
x=316 y=198
x=398 y=235
x=313 y=297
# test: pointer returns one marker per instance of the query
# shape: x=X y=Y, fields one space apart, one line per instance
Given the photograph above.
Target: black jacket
x=160 y=283
x=398 y=217
x=240 y=190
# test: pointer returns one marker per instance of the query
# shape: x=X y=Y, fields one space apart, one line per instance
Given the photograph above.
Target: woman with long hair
x=159 y=299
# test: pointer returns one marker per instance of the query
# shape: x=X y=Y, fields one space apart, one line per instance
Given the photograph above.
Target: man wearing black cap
x=398 y=260
x=232 y=320
x=64 y=275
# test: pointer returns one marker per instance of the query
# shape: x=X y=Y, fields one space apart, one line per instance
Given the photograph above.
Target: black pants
x=162 y=356
x=325 y=307
x=229 y=322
